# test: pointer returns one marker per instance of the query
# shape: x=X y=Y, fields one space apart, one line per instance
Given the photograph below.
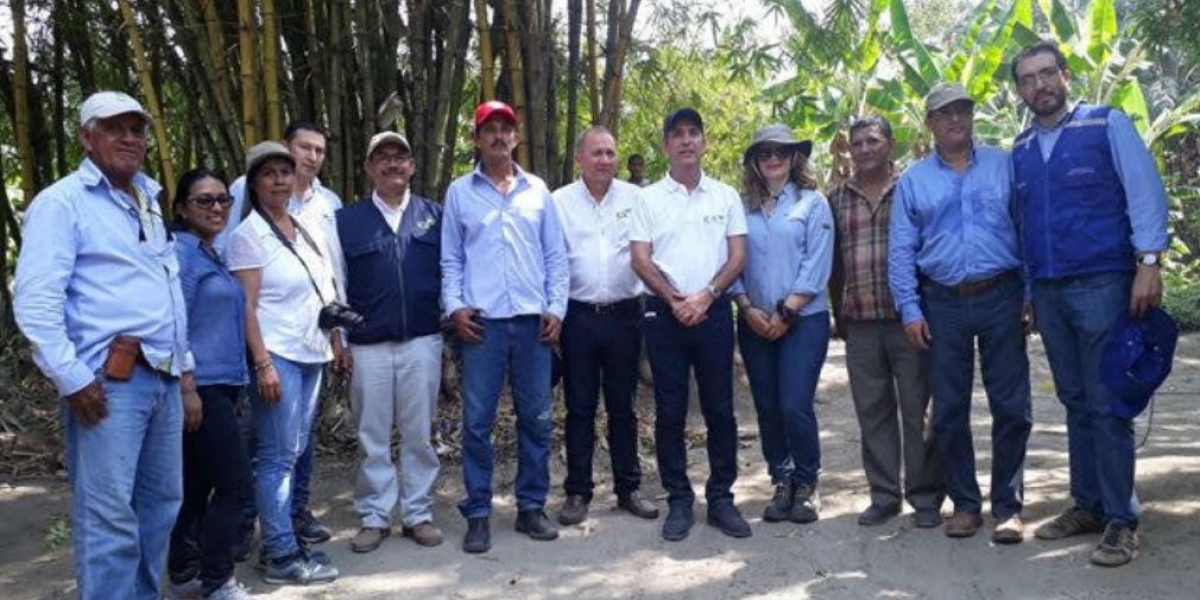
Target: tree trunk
x=574 y=24
x=166 y=171
x=216 y=79
x=516 y=73
x=246 y=33
x=270 y=69
x=593 y=84
x=20 y=86
x=536 y=87
x=620 y=31
x=78 y=39
x=7 y=321
x=337 y=85
x=368 y=33
x=458 y=28
x=59 y=77
x=420 y=24
x=487 y=59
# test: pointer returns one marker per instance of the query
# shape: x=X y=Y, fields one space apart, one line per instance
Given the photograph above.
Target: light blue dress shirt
x=1145 y=197
x=951 y=227
x=789 y=251
x=503 y=254
x=84 y=276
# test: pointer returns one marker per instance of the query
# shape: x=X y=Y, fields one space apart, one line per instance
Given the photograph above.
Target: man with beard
x=389 y=263
x=504 y=287
x=953 y=268
x=1093 y=220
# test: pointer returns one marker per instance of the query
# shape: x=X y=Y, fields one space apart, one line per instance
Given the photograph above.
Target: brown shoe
x=369 y=538
x=424 y=534
x=1008 y=531
x=637 y=505
x=963 y=524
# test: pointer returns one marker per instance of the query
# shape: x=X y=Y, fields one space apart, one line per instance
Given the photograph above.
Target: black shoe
x=536 y=525
x=308 y=529
x=781 y=503
x=478 y=538
x=877 y=514
x=574 y=510
x=316 y=556
x=927 y=518
x=808 y=502
x=637 y=505
x=679 y=522
x=725 y=516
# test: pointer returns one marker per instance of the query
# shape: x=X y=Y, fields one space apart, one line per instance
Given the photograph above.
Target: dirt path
x=613 y=555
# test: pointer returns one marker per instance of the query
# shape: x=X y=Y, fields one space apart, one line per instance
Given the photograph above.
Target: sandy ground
x=614 y=555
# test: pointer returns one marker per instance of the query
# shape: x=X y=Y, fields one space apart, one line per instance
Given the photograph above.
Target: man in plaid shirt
x=886 y=372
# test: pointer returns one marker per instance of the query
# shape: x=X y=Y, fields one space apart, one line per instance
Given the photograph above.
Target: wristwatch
x=1149 y=259
x=714 y=290
x=786 y=313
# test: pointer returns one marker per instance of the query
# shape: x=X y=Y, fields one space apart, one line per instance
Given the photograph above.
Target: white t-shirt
x=597 y=236
x=687 y=231
x=287 y=303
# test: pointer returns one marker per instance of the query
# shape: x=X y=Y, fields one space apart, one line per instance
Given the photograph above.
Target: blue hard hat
x=1137 y=359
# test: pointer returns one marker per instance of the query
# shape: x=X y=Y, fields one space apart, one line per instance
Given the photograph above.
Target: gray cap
x=260 y=152
x=683 y=114
x=387 y=137
x=944 y=94
x=779 y=135
x=105 y=105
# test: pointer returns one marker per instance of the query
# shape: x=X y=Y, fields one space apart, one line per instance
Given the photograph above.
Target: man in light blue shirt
x=953 y=268
x=504 y=287
x=97 y=262
x=1093 y=215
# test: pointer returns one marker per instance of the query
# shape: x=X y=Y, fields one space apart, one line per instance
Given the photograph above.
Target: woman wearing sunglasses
x=216 y=472
x=783 y=314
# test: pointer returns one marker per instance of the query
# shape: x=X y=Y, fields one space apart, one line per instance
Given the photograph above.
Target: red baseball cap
x=491 y=108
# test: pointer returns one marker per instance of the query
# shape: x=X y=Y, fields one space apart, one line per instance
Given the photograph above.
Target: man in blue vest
x=1093 y=219
x=390 y=265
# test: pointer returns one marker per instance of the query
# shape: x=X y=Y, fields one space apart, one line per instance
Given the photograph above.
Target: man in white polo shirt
x=688 y=244
x=601 y=336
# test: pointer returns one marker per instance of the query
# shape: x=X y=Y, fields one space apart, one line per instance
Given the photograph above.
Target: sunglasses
x=207 y=201
x=768 y=153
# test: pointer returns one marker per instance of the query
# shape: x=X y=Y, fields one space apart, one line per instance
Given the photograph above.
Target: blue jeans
x=282 y=430
x=1075 y=316
x=783 y=378
x=674 y=351
x=955 y=322
x=127 y=477
x=509 y=346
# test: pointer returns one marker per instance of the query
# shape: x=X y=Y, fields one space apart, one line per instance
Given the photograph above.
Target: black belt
x=628 y=306
x=979 y=286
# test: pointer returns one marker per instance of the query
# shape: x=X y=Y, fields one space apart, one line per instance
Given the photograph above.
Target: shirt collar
x=385 y=208
x=92 y=177
x=703 y=186
x=942 y=162
x=893 y=176
x=518 y=173
x=1067 y=116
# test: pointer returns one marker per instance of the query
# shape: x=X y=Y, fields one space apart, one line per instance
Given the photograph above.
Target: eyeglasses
x=384 y=159
x=956 y=109
x=207 y=201
x=770 y=152
x=1031 y=80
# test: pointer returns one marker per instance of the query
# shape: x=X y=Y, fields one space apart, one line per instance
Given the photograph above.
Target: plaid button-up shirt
x=862 y=252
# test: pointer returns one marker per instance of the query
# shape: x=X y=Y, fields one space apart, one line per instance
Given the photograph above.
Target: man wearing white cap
x=98 y=296
x=387 y=259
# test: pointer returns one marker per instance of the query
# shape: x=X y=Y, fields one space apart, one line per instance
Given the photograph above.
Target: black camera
x=336 y=314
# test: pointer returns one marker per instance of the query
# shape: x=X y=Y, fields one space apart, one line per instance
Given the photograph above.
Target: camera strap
x=292 y=248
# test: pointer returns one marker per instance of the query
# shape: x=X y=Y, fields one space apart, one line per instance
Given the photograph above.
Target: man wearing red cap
x=504 y=287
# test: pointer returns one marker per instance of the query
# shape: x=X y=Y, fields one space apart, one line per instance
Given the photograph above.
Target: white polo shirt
x=597 y=236
x=687 y=231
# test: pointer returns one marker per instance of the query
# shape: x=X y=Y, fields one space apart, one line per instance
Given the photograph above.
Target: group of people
x=150 y=331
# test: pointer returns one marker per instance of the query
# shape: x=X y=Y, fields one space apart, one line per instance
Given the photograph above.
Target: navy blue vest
x=394 y=280
x=1072 y=208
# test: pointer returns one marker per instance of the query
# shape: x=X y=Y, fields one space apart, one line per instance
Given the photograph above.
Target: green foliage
x=1181 y=296
x=58 y=533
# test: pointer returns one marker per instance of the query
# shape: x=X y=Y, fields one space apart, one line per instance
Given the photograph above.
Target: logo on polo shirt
x=624 y=213
x=716 y=218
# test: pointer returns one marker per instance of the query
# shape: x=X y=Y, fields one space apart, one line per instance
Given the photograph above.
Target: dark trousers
x=956 y=321
x=674 y=351
x=601 y=346
x=216 y=481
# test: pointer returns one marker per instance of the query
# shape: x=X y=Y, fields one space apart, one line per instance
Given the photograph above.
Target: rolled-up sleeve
x=453 y=255
x=1146 y=198
x=812 y=275
x=44 y=270
x=903 y=243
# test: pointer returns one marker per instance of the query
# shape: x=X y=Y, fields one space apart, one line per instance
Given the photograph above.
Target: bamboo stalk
x=593 y=84
x=487 y=59
x=512 y=37
x=167 y=172
x=246 y=30
x=217 y=75
x=21 y=102
x=271 y=71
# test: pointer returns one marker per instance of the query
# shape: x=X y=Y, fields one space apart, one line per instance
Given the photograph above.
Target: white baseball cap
x=387 y=137
x=105 y=105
